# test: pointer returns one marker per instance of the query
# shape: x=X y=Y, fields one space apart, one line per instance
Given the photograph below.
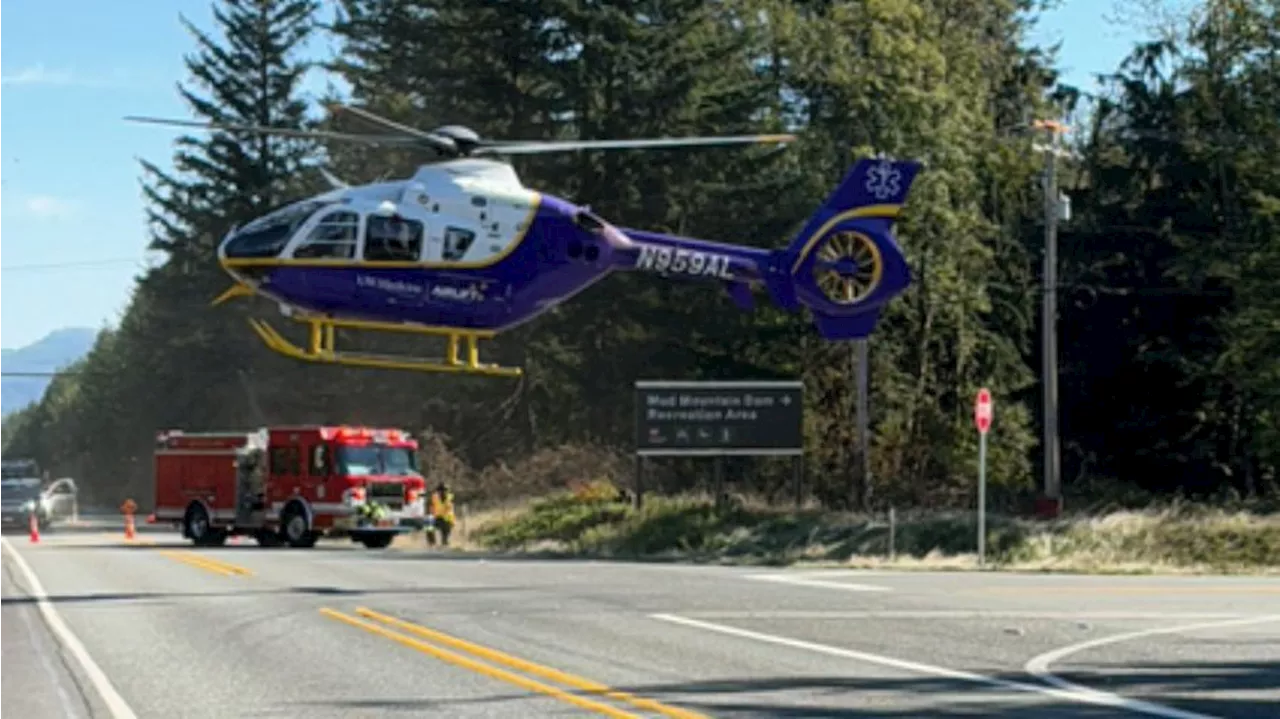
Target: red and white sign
x=982 y=410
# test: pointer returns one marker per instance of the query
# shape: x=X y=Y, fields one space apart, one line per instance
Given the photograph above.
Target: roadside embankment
x=595 y=522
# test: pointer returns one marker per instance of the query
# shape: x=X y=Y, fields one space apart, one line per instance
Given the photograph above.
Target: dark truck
x=22 y=494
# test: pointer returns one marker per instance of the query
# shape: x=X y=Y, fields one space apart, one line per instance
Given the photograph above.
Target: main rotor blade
x=533 y=148
x=442 y=144
x=283 y=131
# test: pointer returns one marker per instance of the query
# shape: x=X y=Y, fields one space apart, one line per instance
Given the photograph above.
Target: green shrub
x=561 y=517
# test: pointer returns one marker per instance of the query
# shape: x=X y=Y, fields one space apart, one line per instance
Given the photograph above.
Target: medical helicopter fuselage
x=463 y=250
x=463 y=245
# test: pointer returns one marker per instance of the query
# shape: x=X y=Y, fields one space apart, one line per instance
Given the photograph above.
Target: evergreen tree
x=249 y=75
x=1178 y=236
x=176 y=362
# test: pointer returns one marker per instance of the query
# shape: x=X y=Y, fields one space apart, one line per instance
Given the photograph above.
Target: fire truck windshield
x=377 y=459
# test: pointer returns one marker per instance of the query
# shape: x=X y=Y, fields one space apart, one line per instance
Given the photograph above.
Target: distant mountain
x=55 y=351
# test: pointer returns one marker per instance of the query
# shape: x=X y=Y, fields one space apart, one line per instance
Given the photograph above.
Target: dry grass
x=593 y=518
x=690 y=528
x=468 y=525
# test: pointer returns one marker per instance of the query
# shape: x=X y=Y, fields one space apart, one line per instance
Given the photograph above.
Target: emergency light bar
x=381 y=436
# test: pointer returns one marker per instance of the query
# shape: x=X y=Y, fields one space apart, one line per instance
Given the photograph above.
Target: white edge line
x=1086 y=697
x=960 y=614
x=1039 y=666
x=802 y=582
x=115 y=703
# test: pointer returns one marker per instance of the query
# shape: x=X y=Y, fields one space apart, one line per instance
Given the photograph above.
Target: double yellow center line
x=377 y=623
x=208 y=564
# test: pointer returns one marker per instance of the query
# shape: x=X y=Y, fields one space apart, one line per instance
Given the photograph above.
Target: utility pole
x=1051 y=502
x=862 y=484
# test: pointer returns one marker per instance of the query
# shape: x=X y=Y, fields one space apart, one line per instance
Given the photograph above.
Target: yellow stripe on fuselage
x=885 y=211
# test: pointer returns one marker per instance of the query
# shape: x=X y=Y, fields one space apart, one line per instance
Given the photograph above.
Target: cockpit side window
x=456 y=243
x=334 y=237
x=394 y=239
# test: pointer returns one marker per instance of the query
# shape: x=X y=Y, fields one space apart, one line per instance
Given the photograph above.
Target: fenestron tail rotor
x=457 y=141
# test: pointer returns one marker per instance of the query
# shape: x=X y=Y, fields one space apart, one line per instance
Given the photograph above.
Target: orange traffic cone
x=35 y=529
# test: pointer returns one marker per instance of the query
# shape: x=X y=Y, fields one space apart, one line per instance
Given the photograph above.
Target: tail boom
x=690 y=258
x=844 y=265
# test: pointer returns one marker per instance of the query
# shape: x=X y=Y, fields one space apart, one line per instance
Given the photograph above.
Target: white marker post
x=982 y=413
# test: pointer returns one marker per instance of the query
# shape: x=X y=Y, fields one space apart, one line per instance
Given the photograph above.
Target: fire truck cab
x=290 y=485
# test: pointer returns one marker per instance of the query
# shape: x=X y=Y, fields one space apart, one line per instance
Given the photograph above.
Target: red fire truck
x=289 y=485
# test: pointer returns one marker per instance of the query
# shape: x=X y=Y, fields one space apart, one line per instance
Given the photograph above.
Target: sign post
x=982 y=413
x=718 y=419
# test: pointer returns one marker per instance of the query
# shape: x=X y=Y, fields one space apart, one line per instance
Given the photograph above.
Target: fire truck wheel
x=196 y=526
x=294 y=527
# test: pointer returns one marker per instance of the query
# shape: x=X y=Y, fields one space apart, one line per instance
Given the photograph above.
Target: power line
x=40 y=374
x=66 y=265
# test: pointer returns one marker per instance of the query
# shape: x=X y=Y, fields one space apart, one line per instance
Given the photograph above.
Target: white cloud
x=38 y=74
x=37 y=206
x=48 y=206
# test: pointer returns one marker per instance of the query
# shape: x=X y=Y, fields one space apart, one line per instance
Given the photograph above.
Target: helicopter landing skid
x=321 y=347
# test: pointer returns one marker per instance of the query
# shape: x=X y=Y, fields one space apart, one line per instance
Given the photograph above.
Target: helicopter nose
x=229 y=267
x=222 y=245
x=222 y=249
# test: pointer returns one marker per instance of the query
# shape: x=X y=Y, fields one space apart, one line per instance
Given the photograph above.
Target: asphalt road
x=249 y=632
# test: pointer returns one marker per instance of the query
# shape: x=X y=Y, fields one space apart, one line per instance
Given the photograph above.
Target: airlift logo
x=684 y=262
x=471 y=293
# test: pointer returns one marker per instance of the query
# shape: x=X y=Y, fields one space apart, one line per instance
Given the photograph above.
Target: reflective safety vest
x=442 y=508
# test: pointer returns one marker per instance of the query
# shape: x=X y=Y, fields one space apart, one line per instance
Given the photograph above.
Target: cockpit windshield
x=268 y=235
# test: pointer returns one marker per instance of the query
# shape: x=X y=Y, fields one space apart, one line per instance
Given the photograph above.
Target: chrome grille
x=390 y=494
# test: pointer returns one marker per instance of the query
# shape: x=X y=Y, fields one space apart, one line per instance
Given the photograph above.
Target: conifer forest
x=1169 y=314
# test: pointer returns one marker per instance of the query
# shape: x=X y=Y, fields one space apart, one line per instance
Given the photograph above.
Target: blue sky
x=69 y=174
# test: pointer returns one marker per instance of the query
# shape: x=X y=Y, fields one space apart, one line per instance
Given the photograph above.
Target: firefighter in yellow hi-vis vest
x=442 y=517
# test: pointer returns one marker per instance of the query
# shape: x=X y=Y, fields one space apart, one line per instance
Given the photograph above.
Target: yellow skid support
x=320 y=347
x=234 y=291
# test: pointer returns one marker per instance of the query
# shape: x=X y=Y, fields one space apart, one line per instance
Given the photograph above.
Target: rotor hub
x=459 y=133
x=848 y=267
x=845 y=267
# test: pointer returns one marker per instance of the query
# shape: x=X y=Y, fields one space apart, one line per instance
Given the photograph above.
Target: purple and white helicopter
x=463 y=250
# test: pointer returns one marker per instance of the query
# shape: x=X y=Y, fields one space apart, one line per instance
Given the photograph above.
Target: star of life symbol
x=883 y=180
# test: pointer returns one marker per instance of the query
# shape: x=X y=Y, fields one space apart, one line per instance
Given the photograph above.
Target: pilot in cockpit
x=393 y=236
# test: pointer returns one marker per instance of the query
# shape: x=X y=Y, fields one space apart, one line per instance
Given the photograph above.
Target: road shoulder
x=41 y=679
